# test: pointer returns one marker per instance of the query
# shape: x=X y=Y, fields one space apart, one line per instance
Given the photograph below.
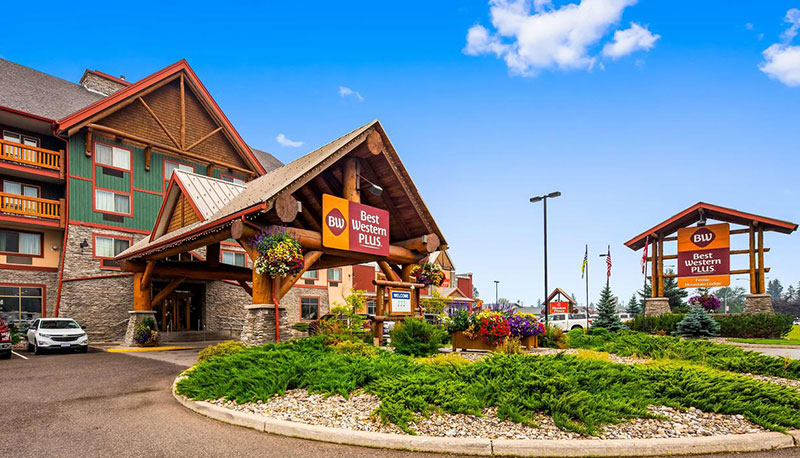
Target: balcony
x=32 y=210
x=33 y=159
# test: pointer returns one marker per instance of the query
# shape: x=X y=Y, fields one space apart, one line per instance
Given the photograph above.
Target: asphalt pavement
x=116 y=405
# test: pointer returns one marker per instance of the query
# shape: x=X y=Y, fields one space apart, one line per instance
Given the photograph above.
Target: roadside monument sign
x=704 y=254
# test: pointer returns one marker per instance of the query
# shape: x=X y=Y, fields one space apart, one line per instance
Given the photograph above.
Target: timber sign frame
x=710 y=245
x=293 y=198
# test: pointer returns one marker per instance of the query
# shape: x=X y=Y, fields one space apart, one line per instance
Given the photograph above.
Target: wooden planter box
x=462 y=342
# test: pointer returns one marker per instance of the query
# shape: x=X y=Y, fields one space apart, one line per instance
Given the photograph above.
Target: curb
x=145 y=349
x=490 y=447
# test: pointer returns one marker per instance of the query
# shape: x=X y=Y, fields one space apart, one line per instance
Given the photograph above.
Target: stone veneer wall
x=37 y=277
x=224 y=307
x=101 y=304
x=291 y=303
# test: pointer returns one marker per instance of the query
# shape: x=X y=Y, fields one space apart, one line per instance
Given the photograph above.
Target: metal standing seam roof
x=208 y=194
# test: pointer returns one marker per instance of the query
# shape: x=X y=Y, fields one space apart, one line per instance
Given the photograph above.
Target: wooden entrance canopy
x=289 y=197
x=754 y=226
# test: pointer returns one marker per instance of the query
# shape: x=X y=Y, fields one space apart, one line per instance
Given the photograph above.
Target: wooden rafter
x=166 y=291
x=411 y=195
x=148 y=274
x=204 y=138
x=183 y=113
x=158 y=121
x=368 y=171
x=308 y=261
x=247 y=288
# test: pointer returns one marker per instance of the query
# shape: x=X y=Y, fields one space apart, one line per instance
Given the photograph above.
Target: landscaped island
x=580 y=394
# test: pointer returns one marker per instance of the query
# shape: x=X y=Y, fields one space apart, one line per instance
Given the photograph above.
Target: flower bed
x=487 y=330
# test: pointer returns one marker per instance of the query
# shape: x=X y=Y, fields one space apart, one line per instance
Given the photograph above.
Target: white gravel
x=356 y=413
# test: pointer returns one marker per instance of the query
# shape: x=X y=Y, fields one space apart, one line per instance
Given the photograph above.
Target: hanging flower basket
x=707 y=301
x=428 y=274
x=279 y=253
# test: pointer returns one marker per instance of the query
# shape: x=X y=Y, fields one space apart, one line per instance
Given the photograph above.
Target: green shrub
x=354 y=348
x=656 y=324
x=579 y=394
x=552 y=338
x=697 y=323
x=145 y=333
x=511 y=346
x=15 y=334
x=760 y=326
x=719 y=356
x=221 y=349
x=417 y=337
x=302 y=327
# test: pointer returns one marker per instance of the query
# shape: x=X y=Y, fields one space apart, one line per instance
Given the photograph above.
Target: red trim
x=152 y=234
x=106 y=226
x=24 y=267
x=225 y=242
x=133 y=89
x=81 y=178
x=112 y=146
x=156 y=193
x=99 y=277
x=191 y=202
x=107 y=76
x=164 y=160
x=23 y=255
x=301 y=307
x=33 y=285
x=229 y=175
x=63 y=259
x=791 y=227
x=28 y=115
x=114 y=191
x=30 y=220
x=311 y=286
x=101 y=258
x=30 y=169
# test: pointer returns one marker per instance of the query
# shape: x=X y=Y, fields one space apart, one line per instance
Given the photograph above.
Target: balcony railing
x=30 y=155
x=33 y=207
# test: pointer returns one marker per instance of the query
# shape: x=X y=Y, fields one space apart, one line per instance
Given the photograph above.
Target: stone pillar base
x=758 y=303
x=656 y=306
x=259 y=324
x=136 y=317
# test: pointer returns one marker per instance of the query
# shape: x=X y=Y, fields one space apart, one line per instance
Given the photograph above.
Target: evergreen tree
x=644 y=293
x=475 y=294
x=775 y=289
x=697 y=323
x=633 y=306
x=675 y=295
x=607 y=312
x=790 y=294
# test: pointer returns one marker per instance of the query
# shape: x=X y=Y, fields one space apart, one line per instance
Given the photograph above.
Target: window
x=112 y=156
x=21 y=243
x=109 y=201
x=334 y=276
x=371 y=305
x=106 y=248
x=232 y=179
x=20 y=189
x=17 y=138
x=170 y=166
x=311 y=274
x=20 y=303
x=309 y=308
x=234 y=258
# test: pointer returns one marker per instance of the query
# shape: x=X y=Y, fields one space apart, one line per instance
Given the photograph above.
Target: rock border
x=756 y=442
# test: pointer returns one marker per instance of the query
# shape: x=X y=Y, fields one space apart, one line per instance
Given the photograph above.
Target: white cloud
x=782 y=60
x=346 y=91
x=283 y=140
x=630 y=40
x=749 y=26
x=548 y=37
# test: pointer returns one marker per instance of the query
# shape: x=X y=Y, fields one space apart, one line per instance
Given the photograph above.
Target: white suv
x=56 y=333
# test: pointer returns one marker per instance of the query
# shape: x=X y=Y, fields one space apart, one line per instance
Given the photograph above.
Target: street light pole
x=544 y=207
x=496 y=296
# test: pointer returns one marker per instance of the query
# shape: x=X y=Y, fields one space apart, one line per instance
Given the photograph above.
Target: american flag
x=644 y=255
x=608 y=262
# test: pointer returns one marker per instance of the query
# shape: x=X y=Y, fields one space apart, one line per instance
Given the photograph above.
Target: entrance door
x=175 y=312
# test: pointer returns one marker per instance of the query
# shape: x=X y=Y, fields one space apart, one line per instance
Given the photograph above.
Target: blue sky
x=680 y=113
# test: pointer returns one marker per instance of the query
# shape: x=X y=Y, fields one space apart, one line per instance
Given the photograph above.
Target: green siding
x=146 y=205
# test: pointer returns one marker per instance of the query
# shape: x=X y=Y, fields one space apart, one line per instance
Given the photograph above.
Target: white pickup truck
x=568 y=321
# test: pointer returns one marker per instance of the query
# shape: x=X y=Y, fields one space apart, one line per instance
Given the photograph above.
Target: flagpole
x=644 y=286
x=587 y=287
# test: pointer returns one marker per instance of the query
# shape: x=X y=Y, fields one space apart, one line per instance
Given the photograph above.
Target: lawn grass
x=580 y=394
x=701 y=352
x=793 y=338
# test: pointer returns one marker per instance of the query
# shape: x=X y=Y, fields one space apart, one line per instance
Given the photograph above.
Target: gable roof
x=76 y=119
x=30 y=91
x=563 y=293
x=206 y=195
x=702 y=210
x=259 y=194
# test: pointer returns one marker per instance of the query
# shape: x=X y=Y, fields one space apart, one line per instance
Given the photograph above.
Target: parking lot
x=103 y=404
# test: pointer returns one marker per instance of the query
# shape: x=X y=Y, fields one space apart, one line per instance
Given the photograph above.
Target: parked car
x=56 y=333
x=5 y=341
x=569 y=321
x=625 y=317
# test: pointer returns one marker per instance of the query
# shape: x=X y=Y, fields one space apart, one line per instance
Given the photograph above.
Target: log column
x=657 y=304
x=350 y=180
x=757 y=301
x=142 y=307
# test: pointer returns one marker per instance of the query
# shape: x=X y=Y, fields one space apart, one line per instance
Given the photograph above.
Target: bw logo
x=336 y=222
